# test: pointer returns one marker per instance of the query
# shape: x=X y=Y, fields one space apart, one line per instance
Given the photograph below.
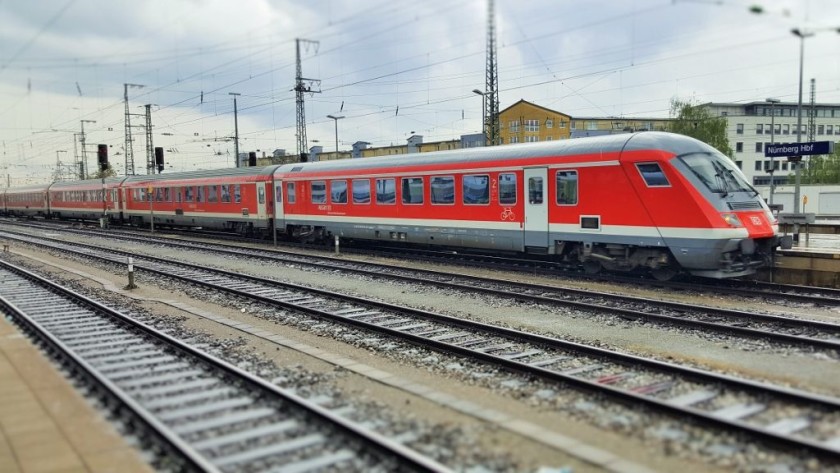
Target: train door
x=536 y=207
x=261 y=199
x=279 y=213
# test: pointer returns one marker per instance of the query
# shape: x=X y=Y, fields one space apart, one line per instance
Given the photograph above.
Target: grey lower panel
x=467 y=238
x=204 y=222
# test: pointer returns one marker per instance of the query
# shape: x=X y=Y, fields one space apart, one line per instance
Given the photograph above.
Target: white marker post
x=131 y=274
x=336 y=245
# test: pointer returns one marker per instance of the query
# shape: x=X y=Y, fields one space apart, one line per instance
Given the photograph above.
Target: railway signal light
x=252 y=159
x=102 y=157
x=159 y=159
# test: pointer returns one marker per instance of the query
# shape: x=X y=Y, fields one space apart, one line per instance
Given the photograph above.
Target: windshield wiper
x=723 y=187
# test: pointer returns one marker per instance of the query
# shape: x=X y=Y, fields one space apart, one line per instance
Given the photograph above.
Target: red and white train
x=646 y=200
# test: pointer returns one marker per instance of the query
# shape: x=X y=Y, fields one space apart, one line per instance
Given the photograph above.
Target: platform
x=815 y=261
x=45 y=424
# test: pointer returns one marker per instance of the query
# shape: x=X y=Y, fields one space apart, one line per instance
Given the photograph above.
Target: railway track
x=206 y=413
x=819 y=296
x=793 y=419
x=801 y=332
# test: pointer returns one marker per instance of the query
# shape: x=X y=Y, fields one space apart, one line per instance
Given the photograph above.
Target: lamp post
x=83 y=168
x=483 y=118
x=336 y=131
x=772 y=103
x=235 y=129
x=802 y=34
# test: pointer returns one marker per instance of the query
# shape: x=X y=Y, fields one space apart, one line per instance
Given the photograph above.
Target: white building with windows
x=752 y=126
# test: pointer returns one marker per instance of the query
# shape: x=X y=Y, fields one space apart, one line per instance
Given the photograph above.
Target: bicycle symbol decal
x=507 y=214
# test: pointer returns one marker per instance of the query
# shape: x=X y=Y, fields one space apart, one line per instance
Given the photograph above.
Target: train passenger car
x=28 y=201
x=86 y=200
x=3 y=201
x=225 y=199
x=647 y=200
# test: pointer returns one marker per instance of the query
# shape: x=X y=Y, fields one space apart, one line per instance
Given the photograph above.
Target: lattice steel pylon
x=150 y=147
x=300 y=89
x=129 y=146
x=492 y=128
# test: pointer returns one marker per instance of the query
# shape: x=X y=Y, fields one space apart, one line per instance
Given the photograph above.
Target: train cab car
x=224 y=199
x=621 y=202
x=28 y=201
x=91 y=199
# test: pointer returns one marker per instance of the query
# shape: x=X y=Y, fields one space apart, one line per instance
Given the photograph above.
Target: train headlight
x=732 y=220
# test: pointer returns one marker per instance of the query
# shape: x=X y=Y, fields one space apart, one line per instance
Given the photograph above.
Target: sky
x=391 y=68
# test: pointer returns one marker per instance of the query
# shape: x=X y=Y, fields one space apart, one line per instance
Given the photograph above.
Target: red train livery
x=651 y=200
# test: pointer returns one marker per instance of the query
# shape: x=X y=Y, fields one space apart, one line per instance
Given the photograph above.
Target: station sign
x=783 y=150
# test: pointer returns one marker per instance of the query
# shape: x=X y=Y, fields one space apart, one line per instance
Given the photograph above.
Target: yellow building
x=525 y=122
x=583 y=126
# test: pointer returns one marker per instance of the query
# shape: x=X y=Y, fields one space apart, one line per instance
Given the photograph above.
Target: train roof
x=678 y=144
x=209 y=173
x=29 y=188
x=64 y=185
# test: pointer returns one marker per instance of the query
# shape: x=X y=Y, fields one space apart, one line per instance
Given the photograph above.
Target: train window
x=476 y=189
x=386 y=191
x=212 y=194
x=159 y=194
x=199 y=194
x=319 y=192
x=260 y=193
x=167 y=194
x=279 y=194
x=237 y=193
x=507 y=189
x=443 y=190
x=338 y=192
x=290 y=192
x=567 y=187
x=653 y=175
x=361 y=191
x=412 y=190
x=177 y=194
x=188 y=193
x=226 y=193
x=535 y=190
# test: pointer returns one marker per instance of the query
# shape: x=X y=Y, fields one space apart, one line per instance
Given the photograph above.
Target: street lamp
x=772 y=103
x=483 y=118
x=336 y=131
x=83 y=167
x=235 y=129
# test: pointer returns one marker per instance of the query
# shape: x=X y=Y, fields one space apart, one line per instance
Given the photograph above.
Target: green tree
x=823 y=169
x=697 y=122
x=109 y=172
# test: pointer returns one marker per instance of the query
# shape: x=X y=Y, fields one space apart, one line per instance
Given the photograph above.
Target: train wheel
x=591 y=267
x=664 y=273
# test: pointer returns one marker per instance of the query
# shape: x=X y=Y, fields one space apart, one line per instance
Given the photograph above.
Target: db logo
x=755 y=220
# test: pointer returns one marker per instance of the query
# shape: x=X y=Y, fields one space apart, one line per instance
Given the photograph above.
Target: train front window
x=717 y=172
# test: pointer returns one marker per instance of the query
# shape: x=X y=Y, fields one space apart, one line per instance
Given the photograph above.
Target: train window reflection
x=338 y=192
x=535 y=190
x=386 y=191
x=319 y=192
x=290 y=192
x=567 y=187
x=443 y=190
x=653 y=175
x=361 y=191
x=237 y=193
x=188 y=194
x=212 y=194
x=507 y=189
x=412 y=190
x=476 y=189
